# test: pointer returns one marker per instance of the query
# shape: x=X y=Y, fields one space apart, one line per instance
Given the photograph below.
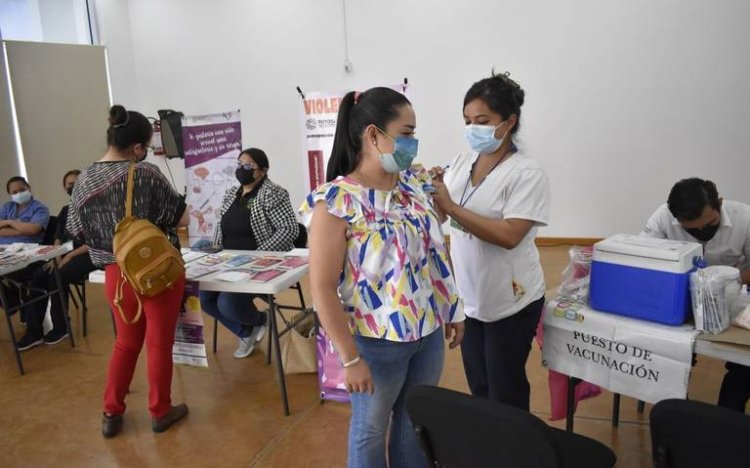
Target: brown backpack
x=146 y=257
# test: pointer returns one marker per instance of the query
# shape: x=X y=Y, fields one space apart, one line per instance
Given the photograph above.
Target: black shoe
x=28 y=342
x=174 y=414
x=54 y=337
x=111 y=425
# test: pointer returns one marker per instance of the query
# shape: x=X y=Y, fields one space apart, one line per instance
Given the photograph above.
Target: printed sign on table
x=643 y=360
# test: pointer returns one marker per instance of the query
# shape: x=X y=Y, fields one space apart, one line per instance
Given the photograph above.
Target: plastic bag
x=742 y=318
x=576 y=276
x=713 y=291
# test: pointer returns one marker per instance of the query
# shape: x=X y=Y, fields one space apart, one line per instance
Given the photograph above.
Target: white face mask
x=482 y=139
x=21 y=198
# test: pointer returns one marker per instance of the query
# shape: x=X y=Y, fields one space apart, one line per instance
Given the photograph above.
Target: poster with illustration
x=212 y=144
x=189 y=340
x=319 y=114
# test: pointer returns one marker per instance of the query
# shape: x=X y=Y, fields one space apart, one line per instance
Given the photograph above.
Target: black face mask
x=704 y=234
x=245 y=176
x=69 y=190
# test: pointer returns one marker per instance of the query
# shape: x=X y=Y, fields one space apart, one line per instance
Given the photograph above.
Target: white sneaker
x=245 y=347
x=259 y=332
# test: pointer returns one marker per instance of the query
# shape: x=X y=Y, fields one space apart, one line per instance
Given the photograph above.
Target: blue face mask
x=404 y=152
x=482 y=139
x=21 y=198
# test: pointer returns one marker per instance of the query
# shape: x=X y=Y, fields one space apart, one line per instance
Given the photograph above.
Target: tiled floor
x=50 y=416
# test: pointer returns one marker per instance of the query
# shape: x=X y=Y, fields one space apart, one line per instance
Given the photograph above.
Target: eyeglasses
x=247 y=167
x=148 y=147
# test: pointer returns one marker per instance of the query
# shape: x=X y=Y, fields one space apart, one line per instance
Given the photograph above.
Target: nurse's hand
x=455 y=333
x=442 y=198
x=358 y=378
x=436 y=173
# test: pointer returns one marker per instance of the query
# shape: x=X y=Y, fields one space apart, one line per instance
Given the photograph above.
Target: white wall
x=623 y=97
x=114 y=26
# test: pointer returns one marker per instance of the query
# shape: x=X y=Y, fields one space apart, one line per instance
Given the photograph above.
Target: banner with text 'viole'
x=319 y=116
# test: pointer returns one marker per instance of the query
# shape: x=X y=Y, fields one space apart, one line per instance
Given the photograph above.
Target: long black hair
x=376 y=106
x=127 y=128
x=501 y=94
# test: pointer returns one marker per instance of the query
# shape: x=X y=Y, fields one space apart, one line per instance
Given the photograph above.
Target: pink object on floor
x=558 y=386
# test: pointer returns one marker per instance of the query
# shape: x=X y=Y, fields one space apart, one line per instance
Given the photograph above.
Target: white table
x=724 y=351
x=31 y=257
x=268 y=288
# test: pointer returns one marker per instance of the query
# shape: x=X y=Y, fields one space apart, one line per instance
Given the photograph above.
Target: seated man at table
x=256 y=215
x=23 y=219
x=694 y=212
x=73 y=266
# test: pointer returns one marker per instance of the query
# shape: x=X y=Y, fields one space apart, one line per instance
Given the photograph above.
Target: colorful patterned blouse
x=397 y=283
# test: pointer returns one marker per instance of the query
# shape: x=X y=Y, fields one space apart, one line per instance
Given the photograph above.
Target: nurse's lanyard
x=463 y=202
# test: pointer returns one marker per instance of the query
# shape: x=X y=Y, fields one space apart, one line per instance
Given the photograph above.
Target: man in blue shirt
x=23 y=219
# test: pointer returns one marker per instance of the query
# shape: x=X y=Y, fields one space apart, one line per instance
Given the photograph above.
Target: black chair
x=78 y=289
x=300 y=243
x=49 y=231
x=692 y=434
x=458 y=430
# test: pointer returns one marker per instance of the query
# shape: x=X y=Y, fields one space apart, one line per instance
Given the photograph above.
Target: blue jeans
x=395 y=367
x=236 y=311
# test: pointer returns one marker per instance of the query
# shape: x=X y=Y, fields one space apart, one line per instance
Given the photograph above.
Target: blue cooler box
x=643 y=278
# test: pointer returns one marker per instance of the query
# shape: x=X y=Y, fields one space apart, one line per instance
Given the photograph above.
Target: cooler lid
x=646 y=247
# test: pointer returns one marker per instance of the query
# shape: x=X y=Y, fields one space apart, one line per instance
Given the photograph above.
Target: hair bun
x=512 y=89
x=117 y=115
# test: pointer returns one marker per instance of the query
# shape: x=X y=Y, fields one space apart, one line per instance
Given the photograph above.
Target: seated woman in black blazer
x=256 y=215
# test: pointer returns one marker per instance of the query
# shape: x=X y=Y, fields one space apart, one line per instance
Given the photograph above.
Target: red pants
x=157 y=327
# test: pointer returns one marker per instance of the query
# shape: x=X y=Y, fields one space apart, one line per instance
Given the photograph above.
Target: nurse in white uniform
x=496 y=198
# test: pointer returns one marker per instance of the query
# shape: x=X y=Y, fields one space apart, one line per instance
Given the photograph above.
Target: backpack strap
x=129 y=191
x=118 y=302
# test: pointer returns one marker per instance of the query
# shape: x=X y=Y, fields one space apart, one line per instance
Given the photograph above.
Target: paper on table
x=236 y=275
x=190 y=255
x=239 y=260
x=266 y=262
x=293 y=262
x=196 y=271
x=266 y=275
x=215 y=259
